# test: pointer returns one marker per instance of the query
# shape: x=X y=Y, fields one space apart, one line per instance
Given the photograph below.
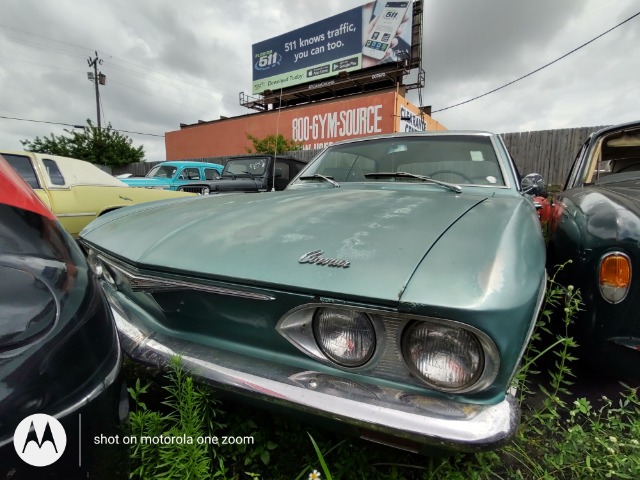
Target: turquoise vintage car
x=391 y=288
x=173 y=175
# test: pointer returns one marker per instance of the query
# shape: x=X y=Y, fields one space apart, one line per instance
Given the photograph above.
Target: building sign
x=375 y=33
x=410 y=121
x=320 y=130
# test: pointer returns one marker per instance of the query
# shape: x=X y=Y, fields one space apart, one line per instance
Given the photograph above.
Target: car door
x=73 y=202
x=25 y=167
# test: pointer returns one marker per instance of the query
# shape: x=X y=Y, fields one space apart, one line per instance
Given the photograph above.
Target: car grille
x=193 y=189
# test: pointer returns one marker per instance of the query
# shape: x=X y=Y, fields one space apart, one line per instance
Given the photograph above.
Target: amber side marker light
x=615 y=276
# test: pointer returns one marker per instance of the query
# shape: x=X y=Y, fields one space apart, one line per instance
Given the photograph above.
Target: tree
x=103 y=146
x=272 y=144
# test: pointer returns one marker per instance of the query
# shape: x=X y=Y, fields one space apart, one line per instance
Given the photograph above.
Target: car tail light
x=446 y=358
x=345 y=337
x=614 y=276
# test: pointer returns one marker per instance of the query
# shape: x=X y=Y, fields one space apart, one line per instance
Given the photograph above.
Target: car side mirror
x=278 y=172
x=533 y=184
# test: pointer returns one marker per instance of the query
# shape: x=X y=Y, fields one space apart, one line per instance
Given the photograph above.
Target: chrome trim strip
x=81 y=214
x=146 y=283
x=401 y=416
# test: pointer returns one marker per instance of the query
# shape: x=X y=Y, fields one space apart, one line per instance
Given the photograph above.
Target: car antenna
x=275 y=148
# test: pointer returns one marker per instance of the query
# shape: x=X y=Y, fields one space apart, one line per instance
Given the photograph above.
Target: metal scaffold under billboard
x=373 y=47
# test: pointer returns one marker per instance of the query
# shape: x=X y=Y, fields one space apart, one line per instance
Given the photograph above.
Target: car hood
x=259 y=239
x=627 y=187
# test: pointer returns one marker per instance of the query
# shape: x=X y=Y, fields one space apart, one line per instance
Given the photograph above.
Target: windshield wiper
x=424 y=178
x=323 y=177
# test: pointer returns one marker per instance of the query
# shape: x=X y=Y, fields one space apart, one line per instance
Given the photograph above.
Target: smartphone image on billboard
x=384 y=29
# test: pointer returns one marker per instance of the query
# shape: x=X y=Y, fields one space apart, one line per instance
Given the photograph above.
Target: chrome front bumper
x=401 y=419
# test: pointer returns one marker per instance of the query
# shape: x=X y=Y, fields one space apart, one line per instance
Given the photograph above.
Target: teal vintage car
x=390 y=289
x=176 y=175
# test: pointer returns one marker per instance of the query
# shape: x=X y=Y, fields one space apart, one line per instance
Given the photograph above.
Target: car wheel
x=180 y=189
x=206 y=191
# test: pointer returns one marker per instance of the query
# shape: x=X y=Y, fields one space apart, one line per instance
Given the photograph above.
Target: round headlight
x=446 y=358
x=98 y=268
x=94 y=263
x=346 y=337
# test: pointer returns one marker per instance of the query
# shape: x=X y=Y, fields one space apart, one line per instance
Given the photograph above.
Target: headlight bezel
x=387 y=362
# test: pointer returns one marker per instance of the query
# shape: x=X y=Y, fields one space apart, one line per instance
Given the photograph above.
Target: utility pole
x=98 y=78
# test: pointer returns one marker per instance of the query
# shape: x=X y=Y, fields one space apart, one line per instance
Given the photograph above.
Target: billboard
x=376 y=33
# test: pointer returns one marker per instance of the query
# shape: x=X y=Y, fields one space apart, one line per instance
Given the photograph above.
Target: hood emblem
x=317 y=258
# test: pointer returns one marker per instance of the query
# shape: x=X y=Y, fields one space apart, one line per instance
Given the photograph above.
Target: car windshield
x=245 y=166
x=162 y=171
x=455 y=159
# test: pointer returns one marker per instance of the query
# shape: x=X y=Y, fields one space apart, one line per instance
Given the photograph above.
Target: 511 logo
x=268 y=59
x=40 y=440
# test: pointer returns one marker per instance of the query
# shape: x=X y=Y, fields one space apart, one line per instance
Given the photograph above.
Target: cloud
x=169 y=63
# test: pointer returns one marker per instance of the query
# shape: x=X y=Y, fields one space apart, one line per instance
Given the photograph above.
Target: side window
x=55 y=175
x=284 y=167
x=211 y=174
x=22 y=165
x=191 y=173
x=298 y=167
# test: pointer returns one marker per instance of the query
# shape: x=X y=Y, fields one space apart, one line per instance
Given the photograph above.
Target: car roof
x=432 y=133
x=260 y=155
x=615 y=128
x=75 y=171
x=188 y=163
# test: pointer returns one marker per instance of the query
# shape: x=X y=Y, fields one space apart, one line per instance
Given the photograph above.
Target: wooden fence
x=547 y=152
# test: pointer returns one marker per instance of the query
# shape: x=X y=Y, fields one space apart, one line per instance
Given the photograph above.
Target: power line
x=538 y=69
x=220 y=97
x=76 y=126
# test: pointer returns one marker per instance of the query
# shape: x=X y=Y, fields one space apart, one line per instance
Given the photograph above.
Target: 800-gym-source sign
x=356 y=39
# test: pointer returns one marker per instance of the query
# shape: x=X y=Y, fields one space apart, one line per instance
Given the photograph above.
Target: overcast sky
x=171 y=62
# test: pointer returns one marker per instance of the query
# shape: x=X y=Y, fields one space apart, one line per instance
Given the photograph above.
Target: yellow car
x=76 y=191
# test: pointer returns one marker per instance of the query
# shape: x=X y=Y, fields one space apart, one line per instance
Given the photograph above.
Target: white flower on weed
x=634 y=441
x=570 y=288
x=613 y=439
x=315 y=475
